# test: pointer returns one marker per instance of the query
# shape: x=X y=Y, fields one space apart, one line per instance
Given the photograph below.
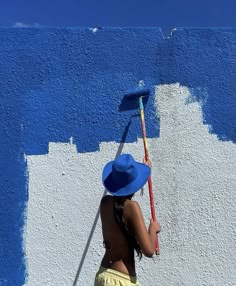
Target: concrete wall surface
x=63 y=116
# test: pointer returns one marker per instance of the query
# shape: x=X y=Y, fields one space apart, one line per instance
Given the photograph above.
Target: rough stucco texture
x=63 y=117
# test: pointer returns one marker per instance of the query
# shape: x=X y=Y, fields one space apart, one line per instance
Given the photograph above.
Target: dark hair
x=118 y=206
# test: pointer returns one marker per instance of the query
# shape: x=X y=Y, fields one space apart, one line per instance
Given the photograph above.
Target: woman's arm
x=135 y=222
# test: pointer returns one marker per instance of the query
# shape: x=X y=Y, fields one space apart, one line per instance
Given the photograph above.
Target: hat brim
x=143 y=173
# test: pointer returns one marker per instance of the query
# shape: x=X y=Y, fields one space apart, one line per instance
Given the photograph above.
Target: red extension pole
x=148 y=162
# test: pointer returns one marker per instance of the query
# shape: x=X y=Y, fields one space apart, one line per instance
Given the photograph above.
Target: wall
x=63 y=117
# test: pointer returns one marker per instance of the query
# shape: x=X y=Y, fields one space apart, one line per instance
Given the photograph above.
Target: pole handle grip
x=153 y=213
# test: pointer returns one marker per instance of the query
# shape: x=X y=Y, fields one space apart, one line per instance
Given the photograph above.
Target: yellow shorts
x=110 y=277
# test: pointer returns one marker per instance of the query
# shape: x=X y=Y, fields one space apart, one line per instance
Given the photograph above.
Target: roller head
x=137 y=94
x=132 y=100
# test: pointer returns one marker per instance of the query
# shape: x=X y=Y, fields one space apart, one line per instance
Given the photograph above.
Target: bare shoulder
x=131 y=204
x=131 y=209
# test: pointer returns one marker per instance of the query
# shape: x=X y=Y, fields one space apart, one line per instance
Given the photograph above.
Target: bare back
x=118 y=255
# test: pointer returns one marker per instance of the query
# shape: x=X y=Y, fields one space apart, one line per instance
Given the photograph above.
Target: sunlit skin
x=117 y=255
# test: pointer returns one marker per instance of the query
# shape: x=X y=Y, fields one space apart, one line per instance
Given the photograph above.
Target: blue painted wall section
x=62 y=83
x=13 y=185
x=77 y=78
x=204 y=61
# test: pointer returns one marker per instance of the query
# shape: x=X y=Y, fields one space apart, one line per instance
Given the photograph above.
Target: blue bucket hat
x=124 y=176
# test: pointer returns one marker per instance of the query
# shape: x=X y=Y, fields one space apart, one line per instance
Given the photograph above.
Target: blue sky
x=166 y=14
